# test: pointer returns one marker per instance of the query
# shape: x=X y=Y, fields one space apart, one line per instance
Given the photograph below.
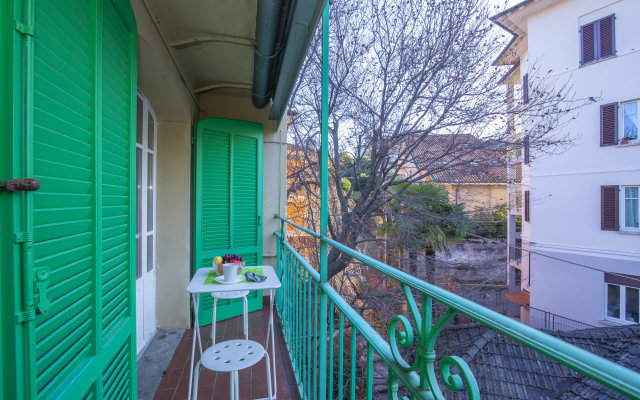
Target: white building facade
x=580 y=232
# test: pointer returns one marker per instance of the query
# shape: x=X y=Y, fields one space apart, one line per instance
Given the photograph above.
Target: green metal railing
x=312 y=350
x=309 y=308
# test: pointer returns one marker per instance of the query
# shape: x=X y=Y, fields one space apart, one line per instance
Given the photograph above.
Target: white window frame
x=622 y=208
x=623 y=303
x=621 y=132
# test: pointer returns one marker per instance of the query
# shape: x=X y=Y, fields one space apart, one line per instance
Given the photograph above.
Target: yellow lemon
x=217 y=260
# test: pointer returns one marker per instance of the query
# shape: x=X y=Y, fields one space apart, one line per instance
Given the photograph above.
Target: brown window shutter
x=609 y=124
x=609 y=209
x=525 y=89
x=526 y=205
x=587 y=43
x=525 y=144
x=607 y=37
x=622 y=279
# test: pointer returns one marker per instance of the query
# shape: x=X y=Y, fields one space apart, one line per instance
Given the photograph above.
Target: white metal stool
x=232 y=356
x=234 y=294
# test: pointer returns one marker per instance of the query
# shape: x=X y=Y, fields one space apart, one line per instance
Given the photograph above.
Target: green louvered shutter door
x=228 y=202
x=83 y=127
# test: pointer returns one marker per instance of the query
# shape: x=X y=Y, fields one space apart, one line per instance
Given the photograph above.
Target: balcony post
x=324 y=194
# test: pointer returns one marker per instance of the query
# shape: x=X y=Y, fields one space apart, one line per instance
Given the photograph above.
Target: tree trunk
x=413 y=264
x=429 y=263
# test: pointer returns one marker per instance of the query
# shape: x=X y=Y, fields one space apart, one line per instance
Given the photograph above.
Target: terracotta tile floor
x=175 y=383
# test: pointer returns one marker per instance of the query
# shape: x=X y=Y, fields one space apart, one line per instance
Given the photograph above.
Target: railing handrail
x=599 y=369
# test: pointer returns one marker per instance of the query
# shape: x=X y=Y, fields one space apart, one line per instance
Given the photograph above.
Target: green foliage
x=490 y=223
x=356 y=174
x=346 y=184
x=421 y=216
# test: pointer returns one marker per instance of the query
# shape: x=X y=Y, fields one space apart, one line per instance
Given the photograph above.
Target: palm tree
x=421 y=218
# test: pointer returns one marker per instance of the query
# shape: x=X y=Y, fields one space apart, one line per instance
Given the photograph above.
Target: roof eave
x=306 y=16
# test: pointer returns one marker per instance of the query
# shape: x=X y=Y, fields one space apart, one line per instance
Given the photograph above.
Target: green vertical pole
x=324 y=192
x=28 y=255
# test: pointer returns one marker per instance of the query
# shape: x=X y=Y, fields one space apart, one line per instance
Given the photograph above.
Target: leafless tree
x=402 y=72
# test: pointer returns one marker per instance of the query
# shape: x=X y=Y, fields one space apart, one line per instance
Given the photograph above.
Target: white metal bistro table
x=197 y=287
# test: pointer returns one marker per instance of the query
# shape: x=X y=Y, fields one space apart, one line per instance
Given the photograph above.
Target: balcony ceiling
x=211 y=40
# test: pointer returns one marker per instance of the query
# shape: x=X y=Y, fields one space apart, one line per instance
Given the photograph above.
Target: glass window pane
x=138 y=190
x=139 y=124
x=630 y=120
x=150 y=252
x=613 y=301
x=631 y=192
x=150 y=130
x=631 y=219
x=632 y=305
x=150 y=173
x=138 y=257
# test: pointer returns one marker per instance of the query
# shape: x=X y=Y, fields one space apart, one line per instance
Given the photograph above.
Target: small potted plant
x=625 y=140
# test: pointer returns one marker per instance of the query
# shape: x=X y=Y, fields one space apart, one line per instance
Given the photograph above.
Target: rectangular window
x=613 y=301
x=597 y=40
x=623 y=302
x=525 y=88
x=632 y=304
x=630 y=208
x=630 y=121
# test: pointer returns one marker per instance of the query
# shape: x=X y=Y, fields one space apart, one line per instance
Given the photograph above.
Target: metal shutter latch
x=20 y=185
x=42 y=281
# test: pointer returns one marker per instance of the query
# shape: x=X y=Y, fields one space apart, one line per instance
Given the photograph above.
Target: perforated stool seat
x=233 y=294
x=232 y=356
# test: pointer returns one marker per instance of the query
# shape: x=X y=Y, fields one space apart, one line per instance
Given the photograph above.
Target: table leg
x=271 y=335
x=196 y=332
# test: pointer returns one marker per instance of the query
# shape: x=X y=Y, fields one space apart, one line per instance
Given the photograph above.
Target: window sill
x=628 y=232
x=616 y=322
x=630 y=144
x=599 y=60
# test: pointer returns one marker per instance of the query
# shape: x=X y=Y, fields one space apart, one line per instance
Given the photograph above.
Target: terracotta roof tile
x=506 y=369
x=461 y=159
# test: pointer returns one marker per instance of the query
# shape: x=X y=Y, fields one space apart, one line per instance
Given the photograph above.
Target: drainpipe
x=267 y=33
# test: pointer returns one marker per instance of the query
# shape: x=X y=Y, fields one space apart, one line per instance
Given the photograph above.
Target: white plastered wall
x=158 y=79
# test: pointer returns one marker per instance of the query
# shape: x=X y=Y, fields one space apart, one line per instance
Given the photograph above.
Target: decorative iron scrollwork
x=424 y=364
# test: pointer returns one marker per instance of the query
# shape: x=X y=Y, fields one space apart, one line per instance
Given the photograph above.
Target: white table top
x=197 y=284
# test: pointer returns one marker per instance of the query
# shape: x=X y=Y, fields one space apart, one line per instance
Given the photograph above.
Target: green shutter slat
x=65 y=357
x=49 y=343
x=91 y=393
x=245 y=180
x=61 y=321
x=216 y=147
x=79 y=351
x=116 y=374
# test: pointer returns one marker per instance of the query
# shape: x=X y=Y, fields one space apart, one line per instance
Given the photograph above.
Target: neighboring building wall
x=477 y=196
x=565 y=203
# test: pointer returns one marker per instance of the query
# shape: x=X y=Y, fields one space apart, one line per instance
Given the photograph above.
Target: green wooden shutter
x=81 y=151
x=228 y=201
